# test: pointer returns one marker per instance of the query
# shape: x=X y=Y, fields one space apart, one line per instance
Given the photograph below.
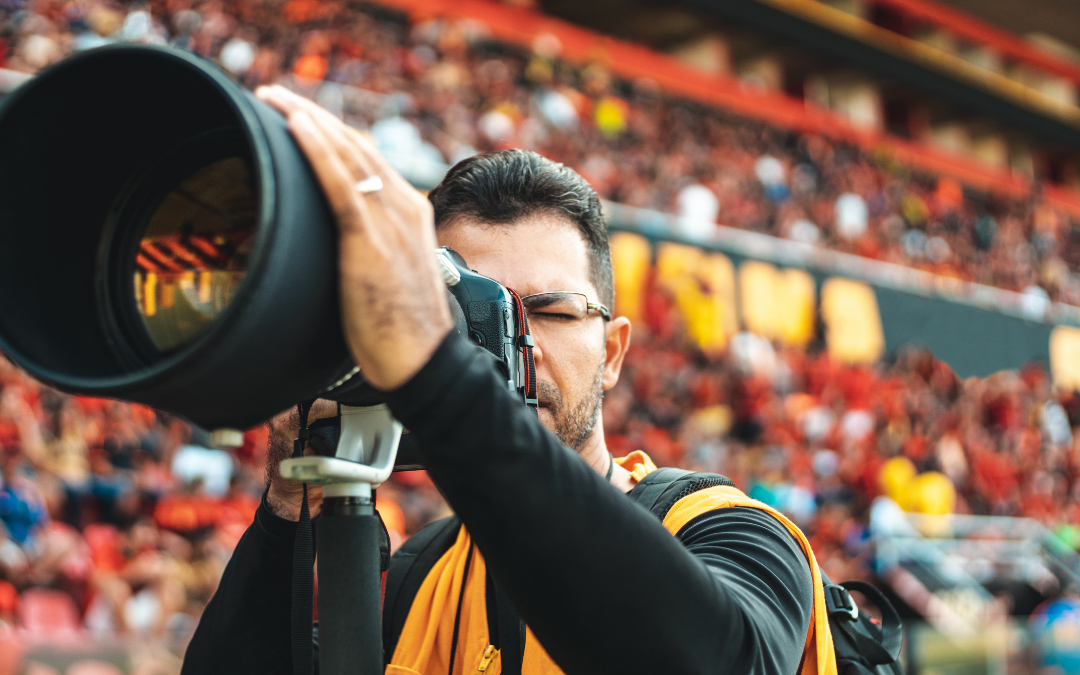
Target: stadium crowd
x=441 y=91
x=127 y=518
x=118 y=520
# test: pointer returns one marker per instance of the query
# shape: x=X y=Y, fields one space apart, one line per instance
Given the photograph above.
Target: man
x=547 y=532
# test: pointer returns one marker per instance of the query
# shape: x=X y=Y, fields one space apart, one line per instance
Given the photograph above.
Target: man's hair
x=504 y=187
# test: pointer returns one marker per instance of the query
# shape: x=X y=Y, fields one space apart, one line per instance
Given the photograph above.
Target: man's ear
x=618 y=341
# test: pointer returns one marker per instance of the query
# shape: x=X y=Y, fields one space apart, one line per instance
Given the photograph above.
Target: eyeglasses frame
x=604 y=312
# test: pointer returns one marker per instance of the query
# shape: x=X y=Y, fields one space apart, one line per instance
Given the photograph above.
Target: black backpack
x=862 y=647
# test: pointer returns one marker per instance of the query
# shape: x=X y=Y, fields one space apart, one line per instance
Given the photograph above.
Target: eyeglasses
x=561 y=308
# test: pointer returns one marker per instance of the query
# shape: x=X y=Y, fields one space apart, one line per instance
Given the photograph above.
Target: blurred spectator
x=698 y=210
x=211 y=468
x=851 y=215
x=1056 y=625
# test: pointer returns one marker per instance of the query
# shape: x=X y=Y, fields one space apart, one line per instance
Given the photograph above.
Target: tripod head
x=364 y=459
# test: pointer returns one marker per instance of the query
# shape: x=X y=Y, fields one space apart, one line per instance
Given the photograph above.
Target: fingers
x=358 y=163
x=371 y=205
x=336 y=179
x=369 y=157
x=379 y=163
x=291 y=104
x=279 y=97
x=399 y=214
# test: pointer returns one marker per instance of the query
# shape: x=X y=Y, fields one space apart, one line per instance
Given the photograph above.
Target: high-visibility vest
x=425 y=642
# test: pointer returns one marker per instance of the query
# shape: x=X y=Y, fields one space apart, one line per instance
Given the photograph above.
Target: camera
x=165 y=241
x=488 y=314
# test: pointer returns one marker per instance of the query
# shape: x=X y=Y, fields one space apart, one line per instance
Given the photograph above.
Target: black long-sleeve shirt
x=601 y=583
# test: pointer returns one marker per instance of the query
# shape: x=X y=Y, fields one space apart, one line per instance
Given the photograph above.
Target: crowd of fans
x=118 y=520
x=812 y=436
x=440 y=91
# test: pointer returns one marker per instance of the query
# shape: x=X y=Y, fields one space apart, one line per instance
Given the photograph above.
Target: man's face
x=574 y=364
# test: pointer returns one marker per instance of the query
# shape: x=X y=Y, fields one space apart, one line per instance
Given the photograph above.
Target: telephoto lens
x=164 y=241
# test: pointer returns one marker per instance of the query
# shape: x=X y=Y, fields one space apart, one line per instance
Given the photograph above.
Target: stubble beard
x=575 y=425
x=279 y=445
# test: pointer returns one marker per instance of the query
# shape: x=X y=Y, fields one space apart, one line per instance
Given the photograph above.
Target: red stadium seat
x=48 y=614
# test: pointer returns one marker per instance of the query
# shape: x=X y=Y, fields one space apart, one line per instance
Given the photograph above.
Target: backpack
x=862 y=647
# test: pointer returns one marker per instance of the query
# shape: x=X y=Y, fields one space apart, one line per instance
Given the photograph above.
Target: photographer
x=543 y=528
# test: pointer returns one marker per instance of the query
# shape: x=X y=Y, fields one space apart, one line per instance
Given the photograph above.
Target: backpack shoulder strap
x=659 y=490
x=698 y=493
x=858 y=643
x=856 y=638
x=408 y=569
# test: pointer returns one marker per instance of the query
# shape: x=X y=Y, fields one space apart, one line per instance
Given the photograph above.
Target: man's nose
x=538 y=352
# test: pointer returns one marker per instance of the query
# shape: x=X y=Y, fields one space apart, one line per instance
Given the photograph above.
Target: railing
x=521 y=26
x=938 y=564
x=980 y=33
x=875 y=272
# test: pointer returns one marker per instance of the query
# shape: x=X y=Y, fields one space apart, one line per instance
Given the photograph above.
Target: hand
x=393 y=299
x=285 y=496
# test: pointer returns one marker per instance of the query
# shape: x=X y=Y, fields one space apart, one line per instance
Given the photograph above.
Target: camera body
x=490 y=318
x=485 y=312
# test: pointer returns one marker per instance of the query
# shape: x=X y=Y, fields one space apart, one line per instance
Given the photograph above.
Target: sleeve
x=245 y=626
x=602 y=584
x=759 y=565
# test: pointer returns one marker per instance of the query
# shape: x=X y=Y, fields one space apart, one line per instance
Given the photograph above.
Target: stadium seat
x=48 y=614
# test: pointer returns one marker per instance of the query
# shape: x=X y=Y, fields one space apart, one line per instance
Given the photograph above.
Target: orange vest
x=424 y=645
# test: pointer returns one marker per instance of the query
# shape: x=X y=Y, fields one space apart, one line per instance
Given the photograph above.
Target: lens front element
x=194 y=252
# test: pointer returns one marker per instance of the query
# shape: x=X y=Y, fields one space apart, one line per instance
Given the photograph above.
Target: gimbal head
x=366 y=451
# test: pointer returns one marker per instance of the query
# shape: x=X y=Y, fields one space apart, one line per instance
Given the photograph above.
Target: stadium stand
x=808 y=175
x=127 y=515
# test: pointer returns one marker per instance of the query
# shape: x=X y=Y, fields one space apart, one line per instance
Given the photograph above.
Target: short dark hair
x=501 y=188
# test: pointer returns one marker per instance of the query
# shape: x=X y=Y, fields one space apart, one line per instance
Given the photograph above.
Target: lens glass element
x=194 y=252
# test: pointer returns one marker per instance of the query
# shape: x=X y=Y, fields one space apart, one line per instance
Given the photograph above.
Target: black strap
x=861 y=640
x=867 y=647
x=661 y=489
x=511 y=635
x=891 y=638
x=649 y=489
x=509 y=630
x=303 y=570
x=610 y=468
x=525 y=344
x=457 y=614
x=411 y=565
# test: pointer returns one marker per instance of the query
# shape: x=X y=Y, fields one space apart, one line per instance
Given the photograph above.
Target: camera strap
x=303 y=569
x=525 y=344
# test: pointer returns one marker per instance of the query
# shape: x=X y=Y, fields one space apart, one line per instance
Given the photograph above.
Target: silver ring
x=369 y=185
